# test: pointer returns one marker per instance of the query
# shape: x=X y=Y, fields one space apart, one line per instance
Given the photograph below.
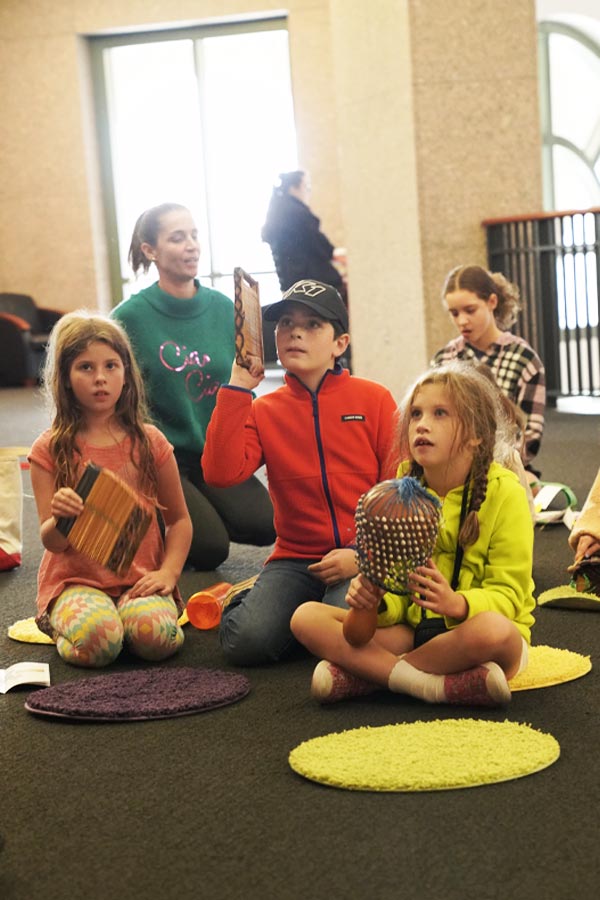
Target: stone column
x=438 y=129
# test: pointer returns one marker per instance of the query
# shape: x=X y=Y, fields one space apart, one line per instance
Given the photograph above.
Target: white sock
x=406 y=679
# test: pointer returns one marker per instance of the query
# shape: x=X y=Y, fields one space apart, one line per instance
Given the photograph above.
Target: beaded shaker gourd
x=397 y=523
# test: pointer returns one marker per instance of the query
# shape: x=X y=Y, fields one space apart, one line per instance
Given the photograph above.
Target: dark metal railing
x=555 y=260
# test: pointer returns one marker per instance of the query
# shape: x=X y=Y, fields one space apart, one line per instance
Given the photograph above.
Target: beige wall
x=50 y=226
x=417 y=119
x=478 y=132
x=378 y=166
x=441 y=134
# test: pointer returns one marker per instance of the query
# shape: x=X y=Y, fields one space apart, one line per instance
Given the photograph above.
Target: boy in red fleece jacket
x=325 y=437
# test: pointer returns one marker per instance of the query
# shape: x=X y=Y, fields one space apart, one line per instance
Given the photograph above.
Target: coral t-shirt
x=58 y=570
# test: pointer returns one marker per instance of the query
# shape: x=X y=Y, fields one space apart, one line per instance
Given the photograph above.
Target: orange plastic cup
x=205 y=608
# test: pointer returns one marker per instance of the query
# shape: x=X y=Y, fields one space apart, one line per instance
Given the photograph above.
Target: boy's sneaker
x=331 y=683
x=485 y=685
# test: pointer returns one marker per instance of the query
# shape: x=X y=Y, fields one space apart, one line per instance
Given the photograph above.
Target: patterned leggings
x=90 y=627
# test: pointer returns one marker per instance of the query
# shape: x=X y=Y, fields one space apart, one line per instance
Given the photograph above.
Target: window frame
x=97 y=44
x=550 y=140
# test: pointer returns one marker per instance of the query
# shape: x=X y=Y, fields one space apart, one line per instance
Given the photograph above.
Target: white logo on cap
x=308 y=288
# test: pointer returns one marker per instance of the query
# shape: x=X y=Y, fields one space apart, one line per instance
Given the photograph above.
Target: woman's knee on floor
x=209 y=549
x=210 y=539
x=247 y=512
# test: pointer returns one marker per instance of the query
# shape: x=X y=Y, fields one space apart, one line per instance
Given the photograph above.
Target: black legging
x=243 y=514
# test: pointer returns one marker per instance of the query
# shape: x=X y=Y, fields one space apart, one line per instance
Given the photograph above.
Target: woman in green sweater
x=183 y=338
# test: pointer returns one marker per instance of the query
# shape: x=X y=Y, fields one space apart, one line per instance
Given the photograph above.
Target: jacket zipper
x=324 y=479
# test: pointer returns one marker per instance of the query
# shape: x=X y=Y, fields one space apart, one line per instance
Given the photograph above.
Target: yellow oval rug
x=425 y=756
x=27 y=631
x=567 y=597
x=548 y=666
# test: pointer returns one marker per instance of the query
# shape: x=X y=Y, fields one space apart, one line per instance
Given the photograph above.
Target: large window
x=570 y=88
x=202 y=117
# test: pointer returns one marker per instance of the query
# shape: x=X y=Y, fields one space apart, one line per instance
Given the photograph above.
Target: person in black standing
x=299 y=247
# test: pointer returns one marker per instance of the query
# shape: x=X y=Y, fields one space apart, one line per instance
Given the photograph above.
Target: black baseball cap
x=320 y=297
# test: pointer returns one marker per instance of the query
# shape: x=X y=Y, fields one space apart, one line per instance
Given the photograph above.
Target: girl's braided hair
x=475 y=400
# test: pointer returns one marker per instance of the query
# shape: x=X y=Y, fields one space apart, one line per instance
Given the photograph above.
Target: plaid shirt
x=519 y=373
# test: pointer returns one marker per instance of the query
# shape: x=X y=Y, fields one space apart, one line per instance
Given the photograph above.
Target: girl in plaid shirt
x=483 y=305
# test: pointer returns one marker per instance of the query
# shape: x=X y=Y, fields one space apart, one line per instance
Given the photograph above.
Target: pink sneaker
x=485 y=685
x=330 y=683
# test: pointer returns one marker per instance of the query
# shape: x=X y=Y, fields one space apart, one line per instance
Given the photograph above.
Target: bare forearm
x=52 y=539
x=177 y=544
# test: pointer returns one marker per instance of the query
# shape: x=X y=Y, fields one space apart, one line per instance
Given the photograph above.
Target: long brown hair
x=474 y=398
x=70 y=337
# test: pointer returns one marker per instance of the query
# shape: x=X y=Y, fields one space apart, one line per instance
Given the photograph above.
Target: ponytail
x=146 y=231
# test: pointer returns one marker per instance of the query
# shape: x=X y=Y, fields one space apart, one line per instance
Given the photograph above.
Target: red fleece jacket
x=322 y=451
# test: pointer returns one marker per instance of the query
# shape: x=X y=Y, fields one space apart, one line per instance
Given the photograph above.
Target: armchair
x=24 y=332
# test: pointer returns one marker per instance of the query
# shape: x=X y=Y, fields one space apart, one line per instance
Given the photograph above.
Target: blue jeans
x=255 y=627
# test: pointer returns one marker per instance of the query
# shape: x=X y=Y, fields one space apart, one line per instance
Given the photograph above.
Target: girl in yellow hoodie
x=463 y=629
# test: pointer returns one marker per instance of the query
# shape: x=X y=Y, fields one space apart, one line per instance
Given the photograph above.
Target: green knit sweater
x=185 y=349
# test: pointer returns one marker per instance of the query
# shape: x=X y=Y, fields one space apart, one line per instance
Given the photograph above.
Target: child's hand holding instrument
x=113 y=522
x=249 y=350
x=66 y=503
x=396 y=529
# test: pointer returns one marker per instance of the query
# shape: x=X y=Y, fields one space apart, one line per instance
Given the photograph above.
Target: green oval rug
x=567 y=597
x=548 y=666
x=425 y=756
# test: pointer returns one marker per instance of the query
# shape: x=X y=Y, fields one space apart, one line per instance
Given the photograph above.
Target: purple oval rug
x=155 y=693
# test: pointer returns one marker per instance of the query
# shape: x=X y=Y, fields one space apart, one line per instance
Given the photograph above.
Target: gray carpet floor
x=206 y=806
